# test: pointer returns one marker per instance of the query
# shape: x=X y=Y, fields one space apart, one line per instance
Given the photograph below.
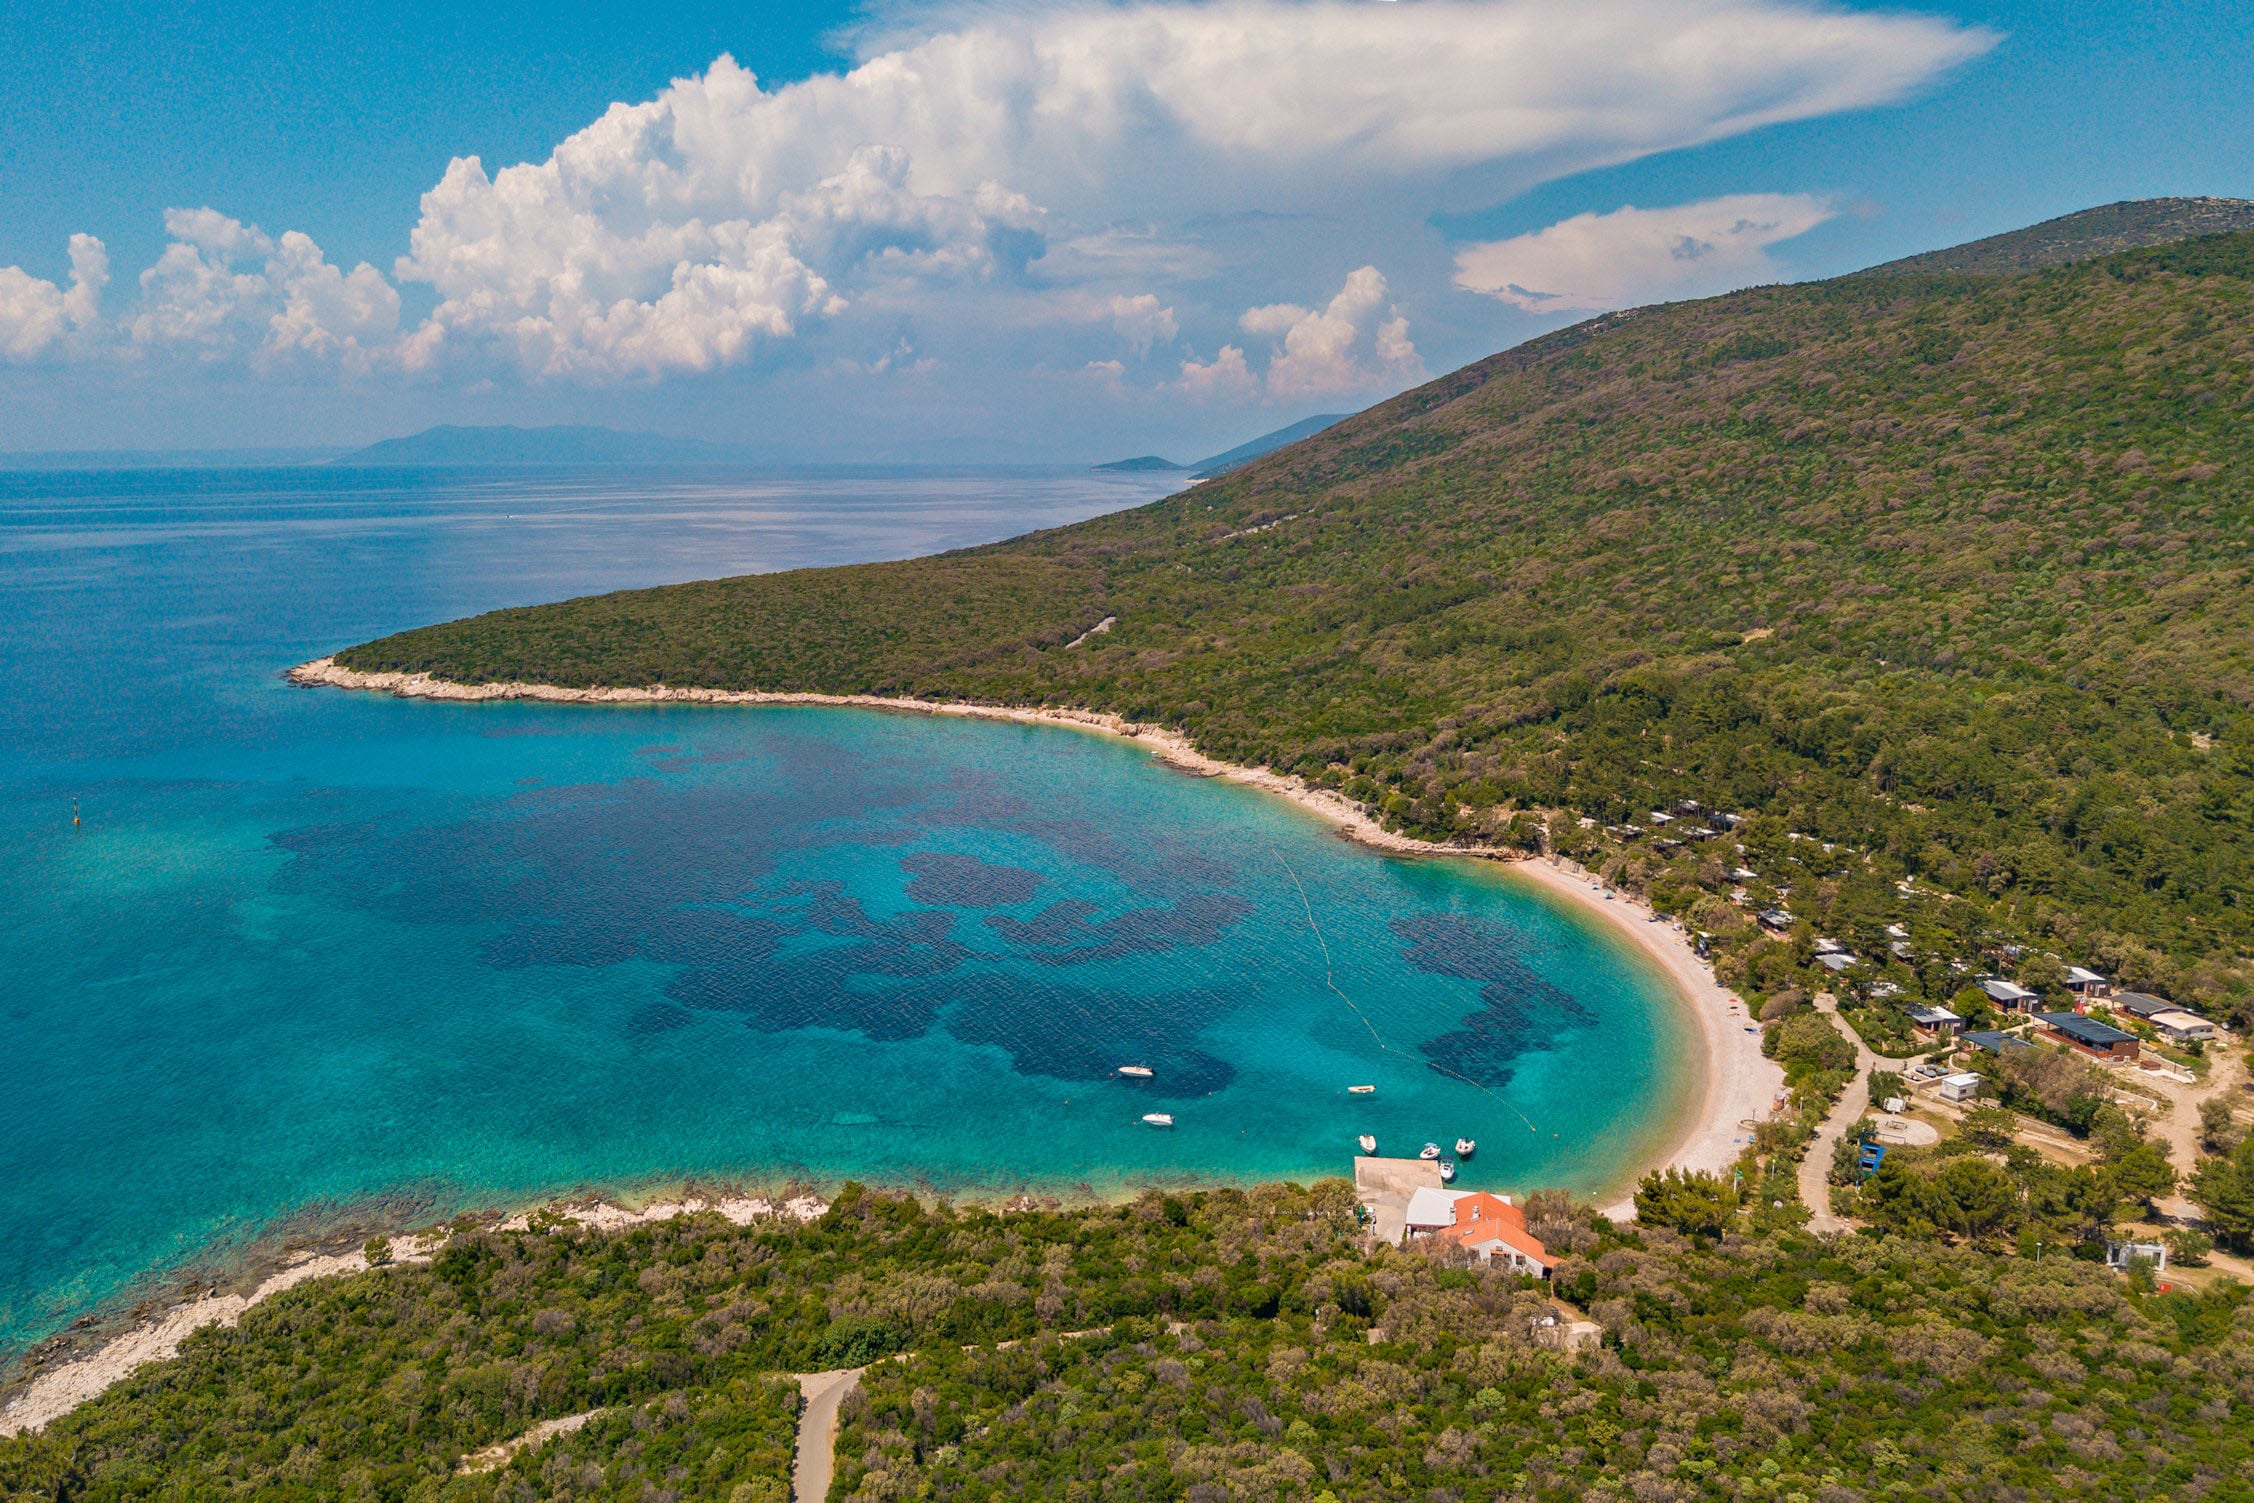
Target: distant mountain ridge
x=2103 y=231
x=1228 y=459
x=557 y=444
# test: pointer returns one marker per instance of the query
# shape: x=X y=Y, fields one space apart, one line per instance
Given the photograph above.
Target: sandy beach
x=1738 y=1084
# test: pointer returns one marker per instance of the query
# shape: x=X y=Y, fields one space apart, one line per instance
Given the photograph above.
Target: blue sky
x=1023 y=232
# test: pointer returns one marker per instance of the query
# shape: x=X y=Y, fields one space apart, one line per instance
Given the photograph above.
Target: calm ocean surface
x=315 y=955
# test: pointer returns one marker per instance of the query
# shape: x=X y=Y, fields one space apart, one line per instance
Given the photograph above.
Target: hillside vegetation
x=1227 y=1345
x=1949 y=573
x=2132 y=225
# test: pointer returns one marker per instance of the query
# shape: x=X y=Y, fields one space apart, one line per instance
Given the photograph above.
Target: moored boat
x=1369 y=1143
x=1429 y=1151
x=1159 y=1119
x=1447 y=1171
x=1465 y=1148
x=1137 y=1072
x=1360 y=1090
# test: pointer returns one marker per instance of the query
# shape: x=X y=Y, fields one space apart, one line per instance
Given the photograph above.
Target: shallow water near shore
x=308 y=950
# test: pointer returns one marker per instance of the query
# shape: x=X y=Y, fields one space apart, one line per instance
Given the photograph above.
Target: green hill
x=2132 y=225
x=1949 y=572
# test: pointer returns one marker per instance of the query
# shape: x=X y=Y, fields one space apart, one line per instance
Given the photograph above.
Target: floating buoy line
x=1330 y=980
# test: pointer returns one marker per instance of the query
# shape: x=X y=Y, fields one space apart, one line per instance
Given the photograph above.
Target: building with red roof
x=1493 y=1230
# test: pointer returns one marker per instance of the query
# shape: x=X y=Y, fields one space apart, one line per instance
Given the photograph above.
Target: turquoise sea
x=311 y=958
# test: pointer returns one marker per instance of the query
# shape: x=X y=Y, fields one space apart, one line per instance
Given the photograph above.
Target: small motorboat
x=1465 y=1148
x=1158 y=1119
x=1429 y=1151
x=1369 y=1143
x=1136 y=1072
x=1361 y=1090
x=1447 y=1171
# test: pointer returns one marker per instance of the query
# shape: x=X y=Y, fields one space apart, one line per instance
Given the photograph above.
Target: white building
x=2179 y=1027
x=2009 y=995
x=1429 y=1211
x=2121 y=1254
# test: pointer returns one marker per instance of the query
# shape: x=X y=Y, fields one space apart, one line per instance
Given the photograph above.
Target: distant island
x=1141 y=463
x=558 y=444
x=1228 y=459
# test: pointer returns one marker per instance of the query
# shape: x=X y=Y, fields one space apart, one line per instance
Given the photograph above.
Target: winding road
x=1815 y=1165
x=817 y=1432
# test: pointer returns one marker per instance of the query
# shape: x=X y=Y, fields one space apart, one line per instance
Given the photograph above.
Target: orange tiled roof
x=1481 y=1217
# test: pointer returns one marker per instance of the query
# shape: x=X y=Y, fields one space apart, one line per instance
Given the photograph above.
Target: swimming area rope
x=1330 y=980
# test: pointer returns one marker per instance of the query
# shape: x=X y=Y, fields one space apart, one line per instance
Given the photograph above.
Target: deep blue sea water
x=313 y=955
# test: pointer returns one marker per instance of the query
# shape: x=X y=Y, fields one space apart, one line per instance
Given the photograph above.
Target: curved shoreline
x=1738 y=1083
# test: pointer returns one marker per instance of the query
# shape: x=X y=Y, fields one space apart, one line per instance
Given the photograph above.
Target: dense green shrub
x=1688 y=1200
x=2224 y=1189
x=1731 y=1367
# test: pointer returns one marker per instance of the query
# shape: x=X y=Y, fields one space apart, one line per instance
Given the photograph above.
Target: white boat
x=1369 y=1144
x=1465 y=1148
x=1447 y=1171
x=1159 y=1119
x=1139 y=1072
x=1429 y=1151
x=1360 y=1090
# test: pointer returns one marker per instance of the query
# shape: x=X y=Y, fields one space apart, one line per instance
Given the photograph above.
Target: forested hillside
x=1948 y=572
x=1224 y=1345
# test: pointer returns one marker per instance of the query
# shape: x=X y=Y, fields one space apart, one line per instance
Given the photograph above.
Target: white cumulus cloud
x=1354 y=343
x=1143 y=321
x=649 y=244
x=991 y=169
x=223 y=288
x=36 y=314
x=680 y=233
x=1597 y=261
x=1224 y=378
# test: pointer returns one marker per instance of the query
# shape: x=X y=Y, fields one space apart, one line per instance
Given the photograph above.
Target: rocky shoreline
x=54 y=1391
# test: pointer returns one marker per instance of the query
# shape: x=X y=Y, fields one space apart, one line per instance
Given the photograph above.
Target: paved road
x=1815 y=1168
x=817 y=1432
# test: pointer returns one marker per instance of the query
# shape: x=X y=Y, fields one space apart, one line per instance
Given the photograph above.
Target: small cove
x=310 y=950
